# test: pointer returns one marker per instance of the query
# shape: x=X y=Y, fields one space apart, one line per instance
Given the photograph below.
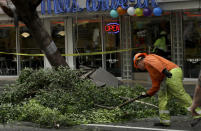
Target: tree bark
x=26 y=12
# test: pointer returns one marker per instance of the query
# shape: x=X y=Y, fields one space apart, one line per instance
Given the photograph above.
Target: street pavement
x=179 y=123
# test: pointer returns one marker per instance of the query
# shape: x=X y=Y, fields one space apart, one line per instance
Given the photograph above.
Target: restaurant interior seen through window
x=147 y=33
x=8 y=64
x=88 y=40
x=58 y=34
x=28 y=46
x=98 y=34
x=112 y=43
x=192 y=44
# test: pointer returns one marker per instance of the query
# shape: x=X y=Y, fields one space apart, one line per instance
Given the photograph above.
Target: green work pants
x=172 y=87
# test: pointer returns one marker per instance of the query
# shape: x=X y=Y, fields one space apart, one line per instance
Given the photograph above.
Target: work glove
x=167 y=73
x=143 y=95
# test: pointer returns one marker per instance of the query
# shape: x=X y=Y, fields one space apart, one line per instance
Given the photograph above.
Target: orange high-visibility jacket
x=155 y=64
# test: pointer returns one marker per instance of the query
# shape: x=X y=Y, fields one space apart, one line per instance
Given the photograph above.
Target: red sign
x=112 y=28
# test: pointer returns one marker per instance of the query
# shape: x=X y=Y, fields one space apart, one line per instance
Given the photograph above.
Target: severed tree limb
x=142 y=102
x=119 y=106
x=87 y=74
x=129 y=100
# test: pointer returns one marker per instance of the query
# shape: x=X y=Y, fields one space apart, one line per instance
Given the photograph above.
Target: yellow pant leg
x=175 y=88
x=163 y=97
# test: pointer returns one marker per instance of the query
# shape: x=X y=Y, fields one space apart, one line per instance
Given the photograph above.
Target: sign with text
x=112 y=28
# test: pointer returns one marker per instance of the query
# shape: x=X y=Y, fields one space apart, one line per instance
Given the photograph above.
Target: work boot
x=161 y=124
x=195 y=121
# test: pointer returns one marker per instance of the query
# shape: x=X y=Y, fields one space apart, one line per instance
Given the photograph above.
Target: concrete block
x=104 y=76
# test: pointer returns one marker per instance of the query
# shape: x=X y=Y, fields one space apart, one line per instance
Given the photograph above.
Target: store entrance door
x=112 y=43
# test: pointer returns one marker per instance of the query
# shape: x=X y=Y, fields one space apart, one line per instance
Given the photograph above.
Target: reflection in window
x=58 y=34
x=28 y=46
x=147 y=33
x=88 y=40
x=112 y=43
x=192 y=44
x=8 y=64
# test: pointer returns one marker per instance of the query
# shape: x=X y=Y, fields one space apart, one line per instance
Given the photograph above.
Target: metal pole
x=103 y=45
x=18 y=51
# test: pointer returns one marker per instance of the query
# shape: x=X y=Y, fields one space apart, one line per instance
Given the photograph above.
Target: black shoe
x=195 y=122
x=161 y=124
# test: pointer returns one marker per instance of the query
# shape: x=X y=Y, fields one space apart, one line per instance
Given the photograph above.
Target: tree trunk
x=44 y=41
x=26 y=12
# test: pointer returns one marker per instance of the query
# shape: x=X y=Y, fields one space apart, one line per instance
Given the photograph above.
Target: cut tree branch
x=129 y=100
x=142 y=102
x=119 y=106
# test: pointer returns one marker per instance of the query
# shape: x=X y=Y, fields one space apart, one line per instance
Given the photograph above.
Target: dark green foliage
x=50 y=97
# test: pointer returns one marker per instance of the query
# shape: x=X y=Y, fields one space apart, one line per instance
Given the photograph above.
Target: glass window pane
x=151 y=35
x=112 y=43
x=58 y=34
x=88 y=40
x=192 y=43
x=28 y=46
x=8 y=64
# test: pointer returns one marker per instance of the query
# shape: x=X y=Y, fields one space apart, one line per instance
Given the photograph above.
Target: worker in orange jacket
x=167 y=77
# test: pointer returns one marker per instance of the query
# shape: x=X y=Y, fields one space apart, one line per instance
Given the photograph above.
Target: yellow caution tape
x=78 y=54
x=22 y=54
x=98 y=53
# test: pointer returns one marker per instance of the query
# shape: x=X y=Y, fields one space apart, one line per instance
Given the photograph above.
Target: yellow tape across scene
x=78 y=54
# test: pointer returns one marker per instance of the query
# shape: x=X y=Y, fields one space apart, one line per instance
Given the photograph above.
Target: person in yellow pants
x=172 y=87
x=166 y=76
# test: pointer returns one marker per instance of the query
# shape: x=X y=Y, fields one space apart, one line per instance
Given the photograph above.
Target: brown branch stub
x=127 y=102
x=142 y=102
x=119 y=106
x=87 y=74
x=7 y=10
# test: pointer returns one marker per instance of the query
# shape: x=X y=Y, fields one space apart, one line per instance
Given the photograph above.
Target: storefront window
x=192 y=44
x=88 y=40
x=28 y=46
x=112 y=43
x=8 y=64
x=148 y=33
x=58 y=34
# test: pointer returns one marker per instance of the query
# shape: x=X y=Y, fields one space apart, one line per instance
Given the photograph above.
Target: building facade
x=95 y=39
